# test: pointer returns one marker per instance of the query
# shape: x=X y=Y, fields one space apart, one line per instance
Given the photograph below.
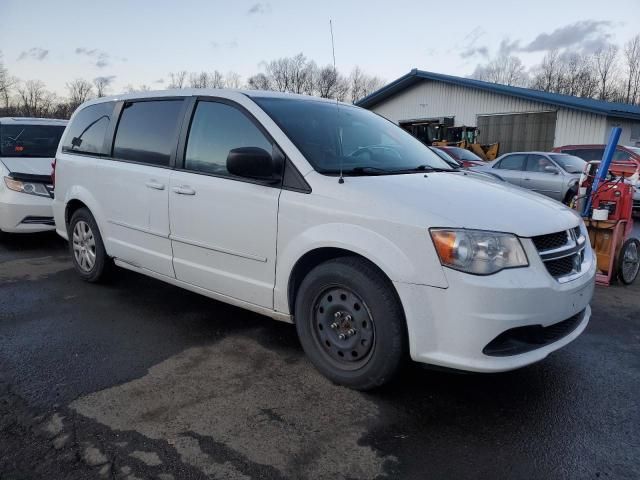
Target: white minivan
x=328 y=216
x=27 y=148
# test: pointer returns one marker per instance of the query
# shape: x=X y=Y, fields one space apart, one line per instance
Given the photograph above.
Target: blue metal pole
x=601 y=174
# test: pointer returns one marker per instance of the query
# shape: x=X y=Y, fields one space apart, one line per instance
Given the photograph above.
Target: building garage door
x=518 y=132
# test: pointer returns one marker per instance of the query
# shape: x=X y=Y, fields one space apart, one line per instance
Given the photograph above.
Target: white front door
x=223 y=228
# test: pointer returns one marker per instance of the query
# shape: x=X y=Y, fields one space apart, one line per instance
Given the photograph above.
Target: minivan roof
x=32 y=121
x=206 y=92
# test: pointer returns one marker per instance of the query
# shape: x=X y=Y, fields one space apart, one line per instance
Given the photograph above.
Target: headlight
x=477 y=251
x=26 y=187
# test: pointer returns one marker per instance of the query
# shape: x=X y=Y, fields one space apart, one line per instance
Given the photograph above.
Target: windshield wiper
x=367 y=171
x=427 y=168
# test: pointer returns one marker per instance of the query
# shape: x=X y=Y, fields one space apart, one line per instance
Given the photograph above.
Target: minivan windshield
x=333 y=136
x=569 y=163
x=29 y=140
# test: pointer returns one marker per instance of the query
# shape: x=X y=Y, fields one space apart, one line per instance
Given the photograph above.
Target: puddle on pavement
x=33 y=268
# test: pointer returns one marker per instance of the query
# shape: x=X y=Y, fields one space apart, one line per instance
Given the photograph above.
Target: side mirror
x=551 y=169
x=253 y=162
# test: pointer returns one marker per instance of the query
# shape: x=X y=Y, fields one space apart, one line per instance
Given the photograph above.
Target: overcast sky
x=140 y=42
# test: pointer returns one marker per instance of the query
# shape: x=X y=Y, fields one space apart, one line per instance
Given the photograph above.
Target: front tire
x=88 y=254
x=350 y=323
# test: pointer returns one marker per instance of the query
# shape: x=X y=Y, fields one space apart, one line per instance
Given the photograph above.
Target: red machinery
x=617 y=253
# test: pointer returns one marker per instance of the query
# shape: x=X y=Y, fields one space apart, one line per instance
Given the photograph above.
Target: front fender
x=418 y=265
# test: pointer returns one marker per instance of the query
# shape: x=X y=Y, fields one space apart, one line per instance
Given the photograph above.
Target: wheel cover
x=84 y=246
x=630 y=262
x=343 y=328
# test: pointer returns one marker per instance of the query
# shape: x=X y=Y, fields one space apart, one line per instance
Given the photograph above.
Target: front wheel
x=88 y=254
x=350 y=323
x=629 y=261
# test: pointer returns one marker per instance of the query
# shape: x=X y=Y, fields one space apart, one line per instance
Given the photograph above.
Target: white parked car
x=27 y=148
x=239 y=196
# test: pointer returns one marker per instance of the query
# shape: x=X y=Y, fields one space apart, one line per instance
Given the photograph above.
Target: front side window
x=29 y=140
x=148 y=131
x=88 y=129
x=538 y=163
x=335 y=136
x=569 y=163
x=512 y=162
x=216 y=129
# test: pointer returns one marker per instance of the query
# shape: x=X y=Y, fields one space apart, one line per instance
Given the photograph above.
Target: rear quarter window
x=87 y=131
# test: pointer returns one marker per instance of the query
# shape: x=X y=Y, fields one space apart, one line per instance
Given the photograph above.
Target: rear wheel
x=629 y=261
x=350 y=323
x=87 y=249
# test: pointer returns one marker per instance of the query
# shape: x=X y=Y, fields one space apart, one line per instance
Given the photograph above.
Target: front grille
x=561 y=266
x=525 y=339
x=562 y=252
x=550 y=241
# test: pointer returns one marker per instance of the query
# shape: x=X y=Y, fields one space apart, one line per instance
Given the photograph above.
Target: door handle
x=155 y=185
x=184 y=190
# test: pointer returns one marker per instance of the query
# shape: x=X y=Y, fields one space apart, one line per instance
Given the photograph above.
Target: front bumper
x=23 y=213
x=451 y=327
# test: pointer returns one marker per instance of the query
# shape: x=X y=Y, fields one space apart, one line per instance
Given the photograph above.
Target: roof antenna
x=335 y=72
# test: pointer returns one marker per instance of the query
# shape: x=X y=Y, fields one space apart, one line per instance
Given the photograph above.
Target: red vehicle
x=596 y=151
x=465 y=157
x=625 y=159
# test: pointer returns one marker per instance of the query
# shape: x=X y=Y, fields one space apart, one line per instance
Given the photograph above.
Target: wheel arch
x=311 y=259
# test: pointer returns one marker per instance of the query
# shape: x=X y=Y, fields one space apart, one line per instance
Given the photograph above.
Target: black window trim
x=176 y=160
x=105 y=146
x=303 y=186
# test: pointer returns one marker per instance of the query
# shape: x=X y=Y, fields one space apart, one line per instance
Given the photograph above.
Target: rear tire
x=350 y=323
x=88 y=254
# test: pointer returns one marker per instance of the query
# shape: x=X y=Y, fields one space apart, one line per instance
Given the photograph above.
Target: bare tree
x=34 y=99
x=605 y=64
x=259 y=81
x=549 y=72
x=362 y=84
x=632 y=61
x=232 y=80
x=79 y=92
x=7 y=84
x=216 y=80
x=504 y=69
x=331 y=84
x=177 y=79
x=102 y=84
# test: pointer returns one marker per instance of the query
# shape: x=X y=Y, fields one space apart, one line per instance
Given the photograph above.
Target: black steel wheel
x=344 y=326
x=629 y=261
x=350 y=323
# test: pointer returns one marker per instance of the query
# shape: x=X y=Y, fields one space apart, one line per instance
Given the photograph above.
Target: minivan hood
x=462 y=200
x=30 y=165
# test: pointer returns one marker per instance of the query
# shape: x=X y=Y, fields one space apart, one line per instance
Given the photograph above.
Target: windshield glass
x=569 y=163
x=446 y=157
x=635 y=150
x=463 y=154
x=29 y=140
x=331 y=136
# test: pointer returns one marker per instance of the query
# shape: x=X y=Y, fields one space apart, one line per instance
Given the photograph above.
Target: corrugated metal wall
x=519 y=132
x=429 y=99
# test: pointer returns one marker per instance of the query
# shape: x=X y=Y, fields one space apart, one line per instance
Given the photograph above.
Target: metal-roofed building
x=519 y=118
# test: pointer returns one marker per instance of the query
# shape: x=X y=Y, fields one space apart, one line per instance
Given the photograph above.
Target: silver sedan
x=553 y=174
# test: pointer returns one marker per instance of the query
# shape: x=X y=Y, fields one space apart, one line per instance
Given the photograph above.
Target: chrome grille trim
x=574 y=247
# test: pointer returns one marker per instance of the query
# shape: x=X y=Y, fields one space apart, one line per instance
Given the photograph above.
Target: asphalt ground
x=139 y=379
